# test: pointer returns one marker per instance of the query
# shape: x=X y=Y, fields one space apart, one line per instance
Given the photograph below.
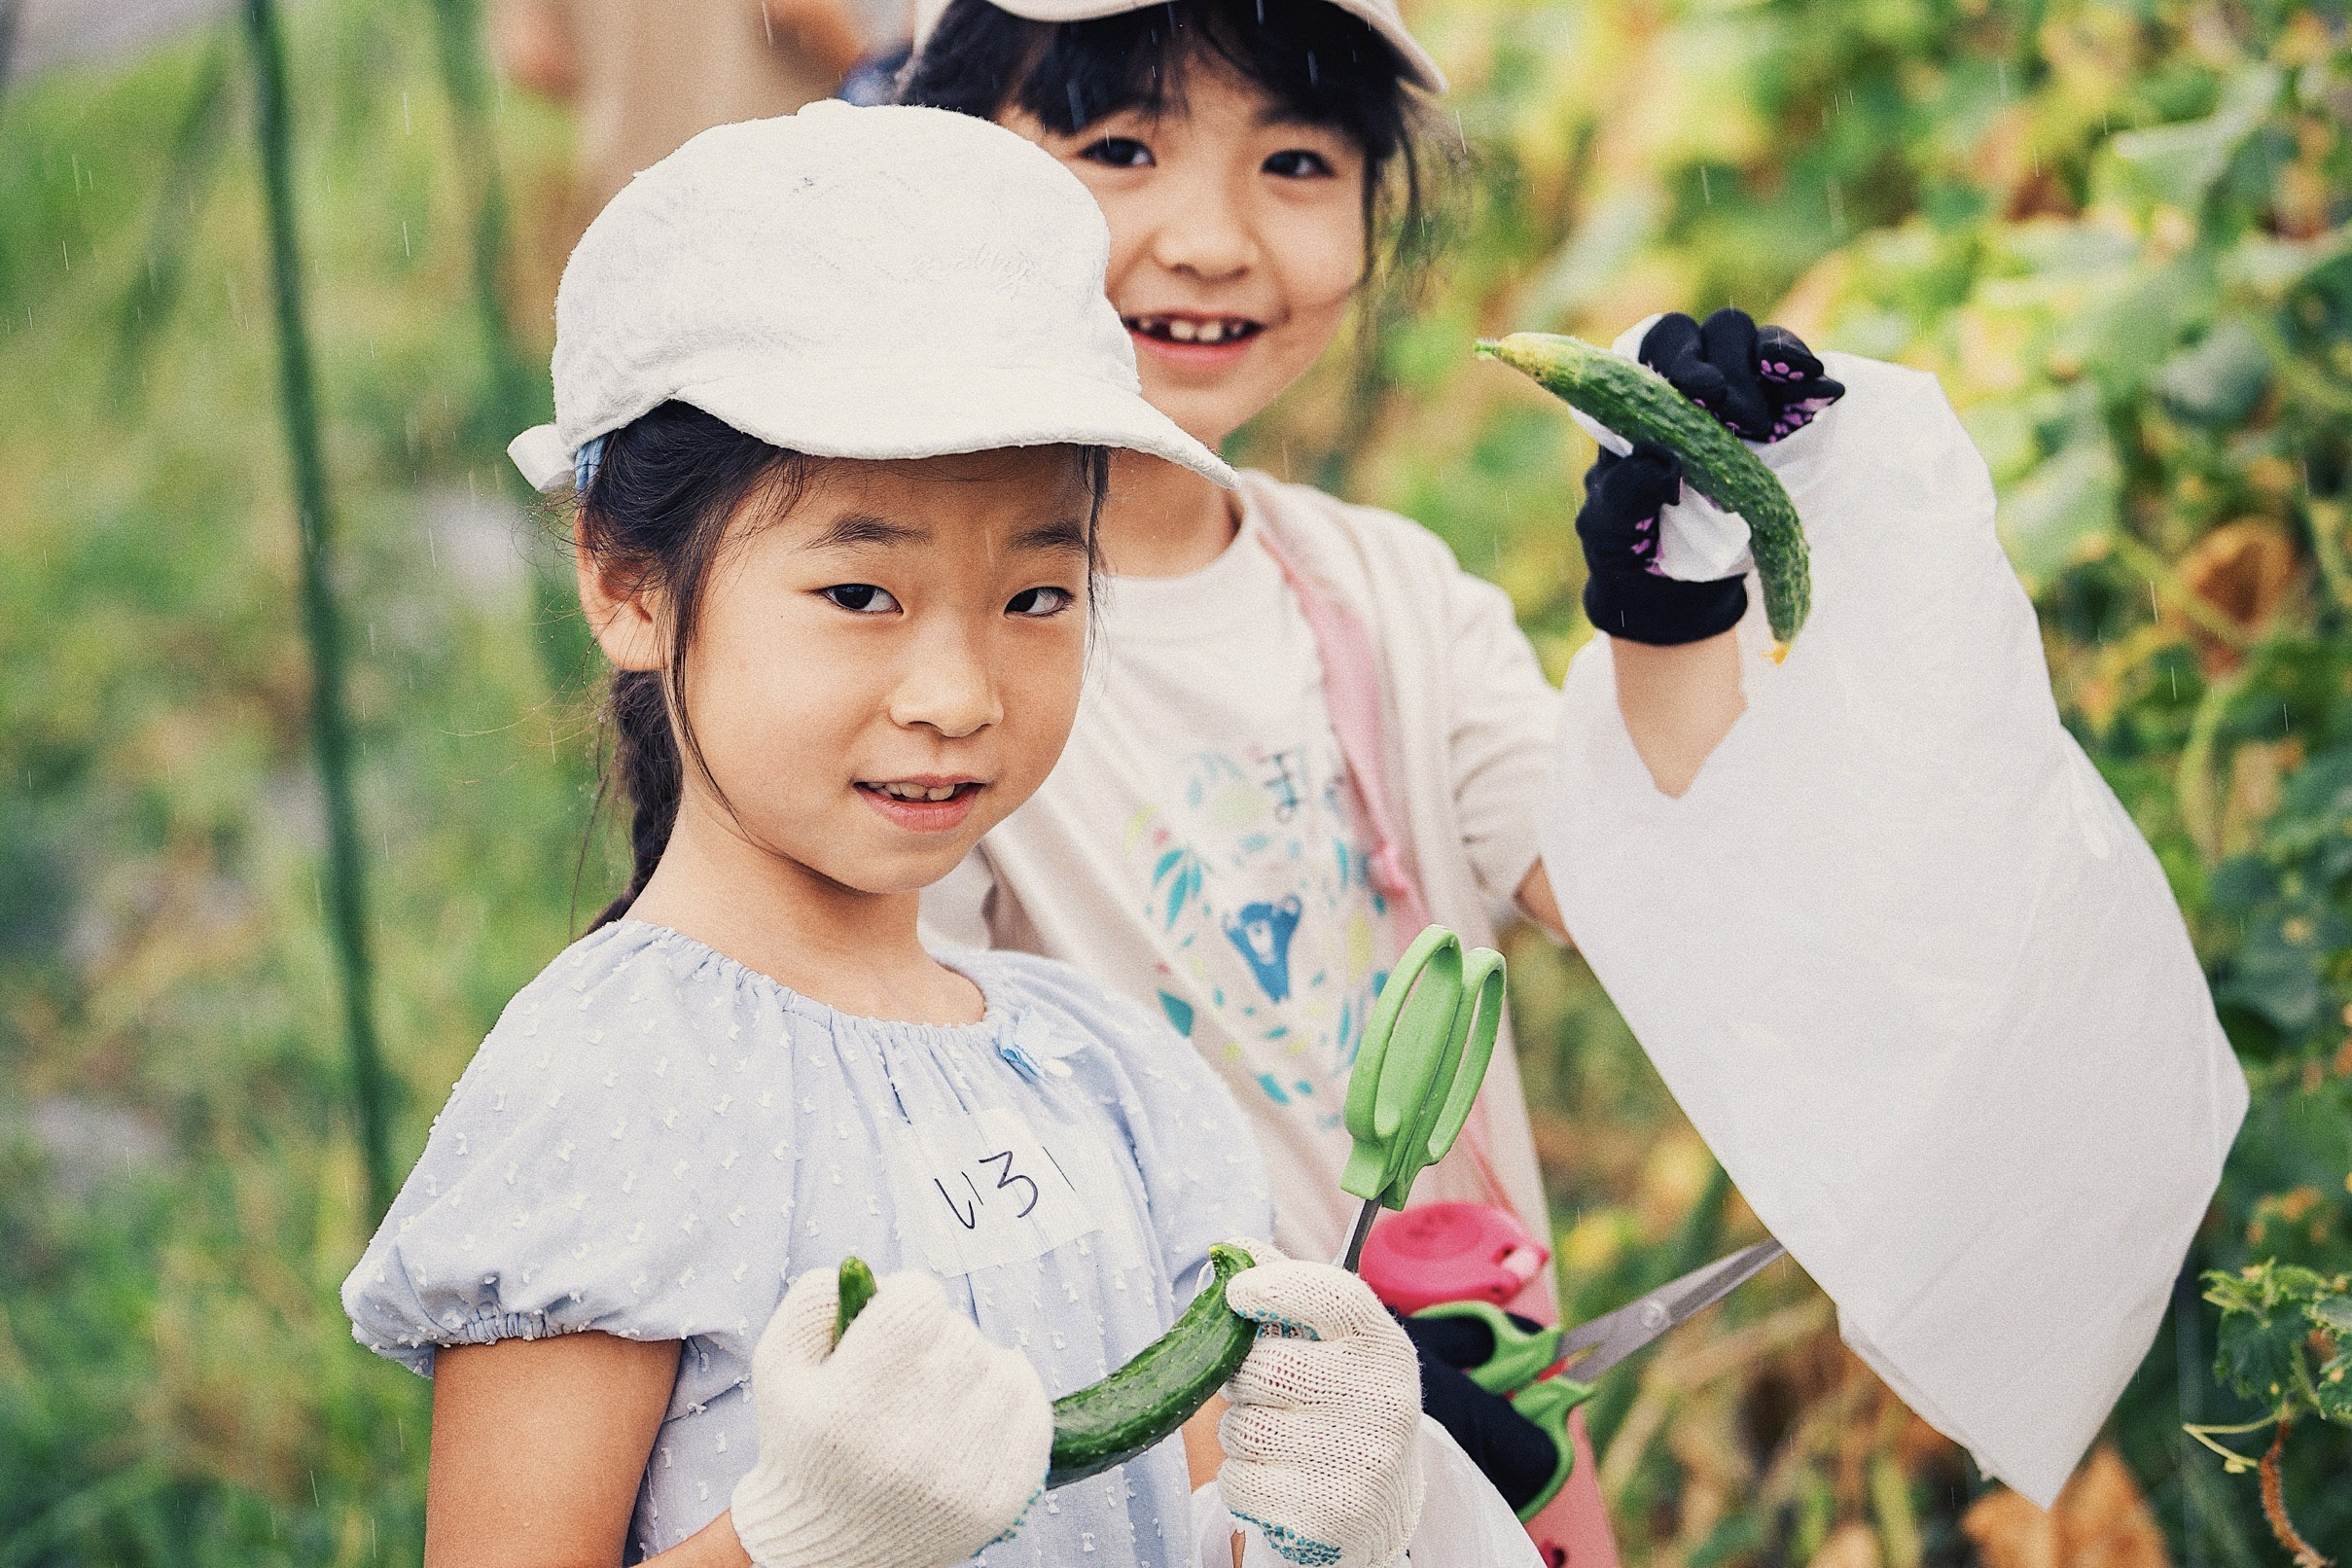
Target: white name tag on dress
x=982 y=1188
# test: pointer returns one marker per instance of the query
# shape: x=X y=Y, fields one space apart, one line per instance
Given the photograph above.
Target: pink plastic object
x=1451 y=1252
x=1573 y=1530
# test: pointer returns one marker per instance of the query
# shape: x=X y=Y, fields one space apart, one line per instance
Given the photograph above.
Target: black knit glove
x=1761 y=382
x=1625 y=594
x=1512 y=1451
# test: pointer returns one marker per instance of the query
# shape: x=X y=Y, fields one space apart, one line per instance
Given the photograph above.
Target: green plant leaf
x=2122 y=337
x=2179 y=163
x=2049 y=519
x=2278 y=972
x=2266 y=265
x=2267 y=1314
x=2217 y=381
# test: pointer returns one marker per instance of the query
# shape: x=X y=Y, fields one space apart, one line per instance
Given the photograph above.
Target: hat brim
x=854 y=413
x=1419 y=68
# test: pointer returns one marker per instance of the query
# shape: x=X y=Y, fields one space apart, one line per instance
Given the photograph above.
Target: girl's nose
x=1204 y=233
x=949 y=684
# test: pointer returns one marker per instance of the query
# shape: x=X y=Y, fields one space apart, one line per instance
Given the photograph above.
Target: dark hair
x=1319 y=64
x=657 y=509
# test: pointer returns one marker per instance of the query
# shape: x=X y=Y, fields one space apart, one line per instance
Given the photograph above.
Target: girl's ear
x=621 y=609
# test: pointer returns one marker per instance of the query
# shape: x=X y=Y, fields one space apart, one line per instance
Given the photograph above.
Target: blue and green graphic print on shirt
x=1251 y=873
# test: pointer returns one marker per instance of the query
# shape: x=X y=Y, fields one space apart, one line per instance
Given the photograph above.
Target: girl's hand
x=1760 y=384
x=1626 y=594
x=1320 y=1450
x=912 y=1444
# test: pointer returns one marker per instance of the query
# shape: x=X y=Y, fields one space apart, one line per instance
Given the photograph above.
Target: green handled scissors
x=1417 y=1070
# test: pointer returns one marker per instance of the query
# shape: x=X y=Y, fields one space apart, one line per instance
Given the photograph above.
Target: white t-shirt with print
x=1198 y=848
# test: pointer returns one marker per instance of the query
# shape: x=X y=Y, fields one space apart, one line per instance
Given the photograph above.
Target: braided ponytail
x=657 y=509
x=645 y=755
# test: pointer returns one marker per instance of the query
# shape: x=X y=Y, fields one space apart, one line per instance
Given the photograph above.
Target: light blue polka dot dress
x=654 y=1141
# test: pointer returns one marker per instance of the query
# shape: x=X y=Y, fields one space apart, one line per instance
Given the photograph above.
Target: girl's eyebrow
x=1274 y=116
x=1066 y=536
x=852 y=529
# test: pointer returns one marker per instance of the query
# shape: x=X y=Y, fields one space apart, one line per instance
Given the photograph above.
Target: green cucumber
x=857 y=1289
x=1640 y=405
x=1110 y=1422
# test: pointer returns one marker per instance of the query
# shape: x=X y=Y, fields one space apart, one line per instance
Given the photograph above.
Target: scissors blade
x=1612 y=1337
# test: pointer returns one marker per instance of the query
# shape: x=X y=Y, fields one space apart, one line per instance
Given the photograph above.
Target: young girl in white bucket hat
x=835 y=392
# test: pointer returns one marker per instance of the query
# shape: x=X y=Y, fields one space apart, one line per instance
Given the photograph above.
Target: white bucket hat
x=1380 y=15
x=850 y=282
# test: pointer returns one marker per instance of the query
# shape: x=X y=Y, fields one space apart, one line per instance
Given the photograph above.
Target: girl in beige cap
x=1218 y=841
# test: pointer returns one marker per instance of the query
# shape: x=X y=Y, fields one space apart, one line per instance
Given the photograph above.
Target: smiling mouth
x=1208 y=330
x=919 y=794
x=922 y=804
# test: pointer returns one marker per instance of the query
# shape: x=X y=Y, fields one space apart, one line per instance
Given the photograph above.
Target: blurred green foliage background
x=2117 y=229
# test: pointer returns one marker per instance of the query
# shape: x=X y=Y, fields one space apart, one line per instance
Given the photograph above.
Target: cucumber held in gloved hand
x=909 y=1442
x=1110 y=1422
x=1321 y=1444
x=1641 y=405
x=1626 y=592
x=1762 y=382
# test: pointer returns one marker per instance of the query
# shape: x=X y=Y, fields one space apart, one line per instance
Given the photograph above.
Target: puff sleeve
x=572 y=1182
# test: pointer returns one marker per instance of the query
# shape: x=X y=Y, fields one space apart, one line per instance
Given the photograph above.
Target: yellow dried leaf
x=1852 y=1545
x=2009 y=1532
x=2102 y=1520
x=2106 y=1521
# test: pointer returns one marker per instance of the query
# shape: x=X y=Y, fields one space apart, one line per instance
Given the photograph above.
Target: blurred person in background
x=644 y=78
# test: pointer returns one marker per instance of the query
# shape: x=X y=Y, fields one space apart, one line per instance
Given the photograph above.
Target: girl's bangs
x=1315 y=62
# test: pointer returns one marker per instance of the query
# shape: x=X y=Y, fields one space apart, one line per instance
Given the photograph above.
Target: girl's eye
x=861 y=598
x=1120 y=153
x=1298 y=163
x=1040 y=602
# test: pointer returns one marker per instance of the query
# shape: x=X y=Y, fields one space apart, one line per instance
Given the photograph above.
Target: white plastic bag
x=1465 y=1523
x=1905 y=961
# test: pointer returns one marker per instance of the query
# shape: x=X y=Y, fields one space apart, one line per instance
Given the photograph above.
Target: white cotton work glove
x=1320 y=1445
x=912 y=1444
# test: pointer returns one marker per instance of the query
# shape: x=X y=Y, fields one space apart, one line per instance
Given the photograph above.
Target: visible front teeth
x=918 y=791
x=1186 y=329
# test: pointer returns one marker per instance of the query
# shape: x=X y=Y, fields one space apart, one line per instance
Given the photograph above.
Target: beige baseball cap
x=1380 y=15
